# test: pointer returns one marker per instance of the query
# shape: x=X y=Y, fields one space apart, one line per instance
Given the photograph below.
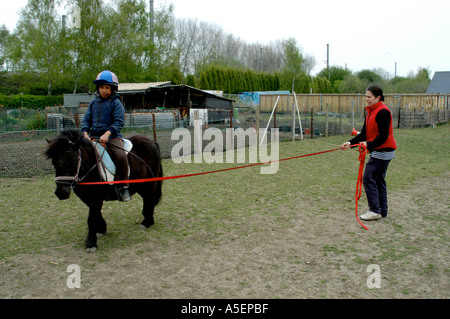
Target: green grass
x=211 y=207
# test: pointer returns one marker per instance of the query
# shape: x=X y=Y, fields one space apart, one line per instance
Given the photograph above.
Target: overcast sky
x=361 y=34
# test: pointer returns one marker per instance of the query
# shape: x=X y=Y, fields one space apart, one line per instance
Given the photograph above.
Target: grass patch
x=210 y=207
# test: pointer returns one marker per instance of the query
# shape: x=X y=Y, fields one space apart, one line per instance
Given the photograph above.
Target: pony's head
x=64 y=151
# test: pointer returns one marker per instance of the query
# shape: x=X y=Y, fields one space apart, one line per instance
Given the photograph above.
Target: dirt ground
x=314 y=256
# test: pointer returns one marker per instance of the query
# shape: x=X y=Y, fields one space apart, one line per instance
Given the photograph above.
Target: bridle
x=70 y=180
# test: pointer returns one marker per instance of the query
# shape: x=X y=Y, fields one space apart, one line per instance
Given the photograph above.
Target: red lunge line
x=362 y=155
x=154 y=179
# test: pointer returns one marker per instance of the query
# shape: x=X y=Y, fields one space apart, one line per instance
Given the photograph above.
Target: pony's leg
x=96 y=224
x=147 y=211
x=150 y=195
x=100 y=225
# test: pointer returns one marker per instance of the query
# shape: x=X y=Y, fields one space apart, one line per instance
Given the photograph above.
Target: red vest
x=372 y=126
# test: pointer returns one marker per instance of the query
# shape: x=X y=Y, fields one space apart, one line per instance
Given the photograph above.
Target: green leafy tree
x=293 y=76
x=370 y=77
x=161 y=52
x=352 y=84
x=414 y=83
x=4 y=37
x=40 y=40
x=87 y=42
x=335 y=75
x=127 y=37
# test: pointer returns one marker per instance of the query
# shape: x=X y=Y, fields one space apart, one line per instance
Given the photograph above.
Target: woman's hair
x=376 y=91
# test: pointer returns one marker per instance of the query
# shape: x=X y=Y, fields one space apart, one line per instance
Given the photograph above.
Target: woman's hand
x=345 y=146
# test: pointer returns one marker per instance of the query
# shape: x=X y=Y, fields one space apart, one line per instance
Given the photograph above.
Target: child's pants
x=119 y=157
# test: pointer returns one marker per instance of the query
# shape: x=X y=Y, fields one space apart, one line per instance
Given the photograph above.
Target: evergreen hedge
x=30 y=101
x=233 y=80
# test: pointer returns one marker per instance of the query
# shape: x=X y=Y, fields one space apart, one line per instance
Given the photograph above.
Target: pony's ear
x=48 y=141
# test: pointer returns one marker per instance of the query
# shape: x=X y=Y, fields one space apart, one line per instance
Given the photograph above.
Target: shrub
x=30 y=101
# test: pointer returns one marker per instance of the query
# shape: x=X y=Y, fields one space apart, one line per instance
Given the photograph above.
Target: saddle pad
x=107 y=161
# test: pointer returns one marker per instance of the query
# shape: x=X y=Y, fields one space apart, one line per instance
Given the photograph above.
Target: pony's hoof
x=100 y=234
x=143 y=227
x=91 y=249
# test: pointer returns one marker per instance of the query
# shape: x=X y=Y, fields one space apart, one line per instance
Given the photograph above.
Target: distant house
x=440 y=83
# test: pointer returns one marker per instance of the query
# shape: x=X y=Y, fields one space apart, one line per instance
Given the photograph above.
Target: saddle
x=105 y=164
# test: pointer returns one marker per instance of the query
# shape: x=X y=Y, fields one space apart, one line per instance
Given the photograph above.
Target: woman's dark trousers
x=375 y=185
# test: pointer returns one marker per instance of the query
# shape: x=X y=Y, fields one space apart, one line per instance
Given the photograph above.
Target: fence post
x=257 y=125
x=353 y=114
x=340 y=115
x=445 y=110
x=198 y=144
x=312 y=123
x=326 y=120
x=293 y=121
x=154 y=126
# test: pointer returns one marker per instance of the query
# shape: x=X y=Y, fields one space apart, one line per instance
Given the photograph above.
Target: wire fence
x=22 y=146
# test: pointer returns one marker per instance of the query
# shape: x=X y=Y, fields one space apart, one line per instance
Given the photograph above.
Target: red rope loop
x=359 y=183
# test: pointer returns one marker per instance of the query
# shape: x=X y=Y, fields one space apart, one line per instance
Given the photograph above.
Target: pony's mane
x=62 y=142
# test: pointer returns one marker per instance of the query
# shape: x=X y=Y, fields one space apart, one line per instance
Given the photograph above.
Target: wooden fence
x=345 y=103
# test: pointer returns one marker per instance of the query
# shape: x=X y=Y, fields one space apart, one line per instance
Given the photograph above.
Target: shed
x=440 y=83
x=185 y=97
x=134 y=95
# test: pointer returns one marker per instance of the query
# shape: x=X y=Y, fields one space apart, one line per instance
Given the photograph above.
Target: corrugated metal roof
x=440 y=83
x=184 y=86
x=140 y=87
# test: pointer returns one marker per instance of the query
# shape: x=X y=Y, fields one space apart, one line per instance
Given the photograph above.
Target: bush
x=30 y=101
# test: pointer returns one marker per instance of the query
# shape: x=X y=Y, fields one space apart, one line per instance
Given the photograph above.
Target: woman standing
x=378 y=137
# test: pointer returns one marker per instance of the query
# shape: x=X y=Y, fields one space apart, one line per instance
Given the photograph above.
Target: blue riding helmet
x=108 y=78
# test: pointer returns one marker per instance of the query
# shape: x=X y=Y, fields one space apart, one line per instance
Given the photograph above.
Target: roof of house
x=440 y=83
x=139 y=87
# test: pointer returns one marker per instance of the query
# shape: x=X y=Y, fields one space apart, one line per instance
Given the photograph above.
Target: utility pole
x=260 y=59
x=328 y=59
x=63 y=21
x=151 y=18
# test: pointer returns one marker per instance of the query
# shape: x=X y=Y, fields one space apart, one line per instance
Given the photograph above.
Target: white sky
x=362 y=34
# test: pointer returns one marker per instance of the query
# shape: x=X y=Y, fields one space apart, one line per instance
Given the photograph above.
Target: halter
x=70 y=180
